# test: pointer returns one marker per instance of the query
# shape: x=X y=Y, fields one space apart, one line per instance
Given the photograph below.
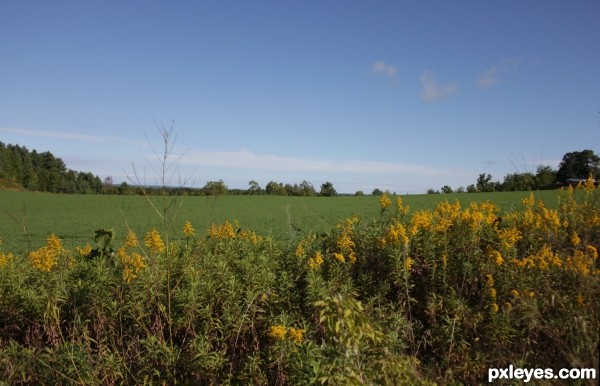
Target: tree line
x=574 y=167
x=24 y=169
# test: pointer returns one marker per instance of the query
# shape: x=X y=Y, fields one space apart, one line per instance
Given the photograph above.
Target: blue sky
x=397 y=95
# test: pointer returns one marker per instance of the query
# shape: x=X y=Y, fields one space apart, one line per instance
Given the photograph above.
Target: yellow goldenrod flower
x=384 y=202
x=497 y=257
x=352 y=257
x=493 y=293
x=46 y=257
x=531 y=294
x=5 y=258
x=300 y=249
x=515 y=293
x=131 y=240
x=494 y=308
x=188 y=229
x=316 y=261
x=592 y=251
x=154 y=241
x=85 y=251
x=344 y=242
x=295 y=335
x=579 y=299
x=408 y=263
x=223 y=231
x=277 y=332
x=339 y=257
x=508 y=306
x=575 y=240
x=400 y=207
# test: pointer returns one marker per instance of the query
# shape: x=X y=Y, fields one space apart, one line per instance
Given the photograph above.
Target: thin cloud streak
x=247 y=159
x=64 y=135
x=382 y=68
x=432 y=91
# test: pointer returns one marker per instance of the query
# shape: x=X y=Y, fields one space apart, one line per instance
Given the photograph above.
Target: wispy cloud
x=432 y=91
x=246 y=159
x=382 y=68
x=67 y=135
x=491 y=75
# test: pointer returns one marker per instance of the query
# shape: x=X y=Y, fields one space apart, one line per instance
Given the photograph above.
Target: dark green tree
x=578 y=164
x=327 y=190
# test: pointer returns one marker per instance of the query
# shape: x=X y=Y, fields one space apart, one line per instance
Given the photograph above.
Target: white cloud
x=65 y=135
x=246 y=159
x=491 y=76
x=488 y=78
x=382 y=68
x=432 y=91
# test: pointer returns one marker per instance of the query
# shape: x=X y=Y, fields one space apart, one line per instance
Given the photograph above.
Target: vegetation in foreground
x=431 y=296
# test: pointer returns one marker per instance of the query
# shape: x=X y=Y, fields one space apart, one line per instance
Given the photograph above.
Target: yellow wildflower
x=85 y=251
x=131 y=240
x=420 y=220
x=352 y=257
x=531 y=294
x=384 y=202
x=316 y=261
x=515 y=293
x=295 y=335
x=508 y=306
x=497 y=257
x=400 y=207
x=508 y=237
x=494 y=308
x=223 y=231
x=300 y=249
x=344 y=242
x=395 y=235
x=5 y=258
x=579 y=299
x=575 y=240
x=408 y=263
x=277 y=332
x=592 y=251
x=46 y=257
x=154 y=241
x=188 y=229
x=493 y=293
x=339 y=257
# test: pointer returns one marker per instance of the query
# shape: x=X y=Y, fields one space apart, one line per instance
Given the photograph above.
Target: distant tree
x=545 y=178
x=446 y=189
x=518 y=182
x=124 y=189
x=327 y=190
x=307 y=189
x=460 y=189
x=376 y=192
x=107 y=185
x=432 y=191
x=471 y=189
x=578 y=164
x=215 y=188
x=254 y=187
x=275 y=188
x=359 y=193
x=484 y=183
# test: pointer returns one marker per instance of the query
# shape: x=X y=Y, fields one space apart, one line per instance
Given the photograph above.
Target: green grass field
x=27 y=218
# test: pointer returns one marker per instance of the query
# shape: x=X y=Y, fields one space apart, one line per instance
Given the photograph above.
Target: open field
x=27 y=218
x=437 y=294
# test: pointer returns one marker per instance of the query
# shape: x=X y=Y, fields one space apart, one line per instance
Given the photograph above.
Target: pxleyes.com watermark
x=527 y=375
